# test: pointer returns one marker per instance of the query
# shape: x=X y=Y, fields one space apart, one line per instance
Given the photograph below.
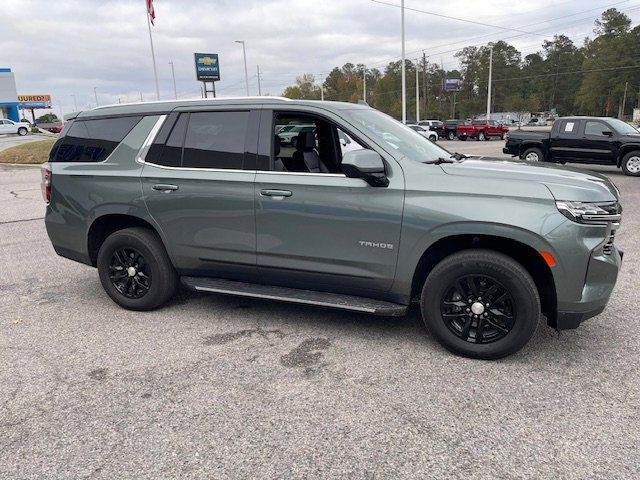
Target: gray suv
x=202 y=193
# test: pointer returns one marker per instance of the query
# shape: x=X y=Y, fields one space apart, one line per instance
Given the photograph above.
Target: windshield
x=621 y=127
x=401 y=138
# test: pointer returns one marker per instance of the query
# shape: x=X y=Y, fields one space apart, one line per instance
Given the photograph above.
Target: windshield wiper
x=459 y=156
x=440 y=160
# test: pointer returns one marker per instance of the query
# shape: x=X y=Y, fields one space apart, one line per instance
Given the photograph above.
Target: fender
x=624 y=149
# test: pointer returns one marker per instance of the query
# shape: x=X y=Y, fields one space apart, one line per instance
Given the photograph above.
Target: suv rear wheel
x=480 y=304
x=451 y=135
x=631 y=164
x=135 y=269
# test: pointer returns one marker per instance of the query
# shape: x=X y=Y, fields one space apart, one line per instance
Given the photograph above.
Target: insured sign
x=34 y=101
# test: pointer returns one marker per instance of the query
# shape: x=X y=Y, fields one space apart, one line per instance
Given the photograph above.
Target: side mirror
x=367 y=165
x=607 y=133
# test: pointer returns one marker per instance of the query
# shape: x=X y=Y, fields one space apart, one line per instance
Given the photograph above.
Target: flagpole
x=153 y=54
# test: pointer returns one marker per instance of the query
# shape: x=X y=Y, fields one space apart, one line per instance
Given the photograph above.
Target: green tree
x=305 y=88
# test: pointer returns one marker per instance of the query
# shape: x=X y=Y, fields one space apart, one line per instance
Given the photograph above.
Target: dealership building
x=8 y=95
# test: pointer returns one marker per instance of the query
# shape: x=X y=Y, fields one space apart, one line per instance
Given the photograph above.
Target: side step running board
x=295 y=295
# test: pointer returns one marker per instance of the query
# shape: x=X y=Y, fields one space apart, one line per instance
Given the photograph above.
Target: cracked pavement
x=221 y=387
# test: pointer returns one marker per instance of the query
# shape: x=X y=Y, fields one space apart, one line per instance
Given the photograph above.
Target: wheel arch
x=625 y=149
x=105 y=225
x=524 y=146
x=524 y=254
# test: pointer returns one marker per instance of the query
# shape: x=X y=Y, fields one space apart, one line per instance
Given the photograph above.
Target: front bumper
x=601 y=277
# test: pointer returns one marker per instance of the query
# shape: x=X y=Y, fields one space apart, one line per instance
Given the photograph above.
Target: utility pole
x=417 y=93
x=141 y=99
x=75 y=103
x=489 y=88
x=321 y=87
x=425 y=91
x=404 y=74
x=259 y=88
x=364 y=83
x=173 y=75
x=95 y=93
x=624 y=100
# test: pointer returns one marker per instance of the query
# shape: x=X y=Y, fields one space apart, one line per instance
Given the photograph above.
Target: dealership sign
x=207 y=67
x=34 y=101
x=453 y=84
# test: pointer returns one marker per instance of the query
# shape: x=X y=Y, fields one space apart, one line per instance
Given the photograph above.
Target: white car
x=288 y=137
x=425 y=132
x=9 y=126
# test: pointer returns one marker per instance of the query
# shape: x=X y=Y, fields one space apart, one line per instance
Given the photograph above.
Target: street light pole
x=404 y=75
x=321 y=87
x=259 y=87
x=489 y=88
x=246 y=72
x=364 y=83
x=95 y=93
x=75 y=103
x=417 y=93
x=173 y=75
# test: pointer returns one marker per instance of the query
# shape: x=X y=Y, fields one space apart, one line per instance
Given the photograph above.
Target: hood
x=564 y=183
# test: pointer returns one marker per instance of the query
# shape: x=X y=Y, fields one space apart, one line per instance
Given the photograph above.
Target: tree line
x=587 y=79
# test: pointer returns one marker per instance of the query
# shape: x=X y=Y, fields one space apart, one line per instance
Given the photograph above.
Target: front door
x=316 y=228
x=6 y=126
x=597 y=147
x=200 y=195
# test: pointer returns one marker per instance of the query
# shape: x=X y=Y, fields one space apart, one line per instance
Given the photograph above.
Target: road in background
x=222 y=387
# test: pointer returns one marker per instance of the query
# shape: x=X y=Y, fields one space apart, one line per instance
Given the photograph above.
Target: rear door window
x=569 y=127
x=93 y=140
x=215 y=140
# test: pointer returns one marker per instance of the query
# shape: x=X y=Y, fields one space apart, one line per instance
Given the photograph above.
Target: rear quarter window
x=93 y=140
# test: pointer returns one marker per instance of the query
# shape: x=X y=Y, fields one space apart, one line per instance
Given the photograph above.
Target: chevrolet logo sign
x=207 y=60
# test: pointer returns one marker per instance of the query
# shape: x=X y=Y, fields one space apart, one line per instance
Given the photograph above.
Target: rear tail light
x=46 y=182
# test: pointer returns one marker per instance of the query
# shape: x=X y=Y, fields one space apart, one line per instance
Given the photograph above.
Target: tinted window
x=215 y=140
x=170 y=153
x=93 y=140
x=595 y=128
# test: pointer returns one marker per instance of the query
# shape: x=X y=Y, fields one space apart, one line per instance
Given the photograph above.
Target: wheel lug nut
x=468 y=310
x=486 y=314
x=487 y=304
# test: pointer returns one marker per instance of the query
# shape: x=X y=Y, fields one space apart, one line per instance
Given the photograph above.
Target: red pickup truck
x=481 y=130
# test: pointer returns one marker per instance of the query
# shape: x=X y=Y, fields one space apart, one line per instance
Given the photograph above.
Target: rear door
x=6 y=126
x=198 y=189
x=324 y=231
x=565 y=143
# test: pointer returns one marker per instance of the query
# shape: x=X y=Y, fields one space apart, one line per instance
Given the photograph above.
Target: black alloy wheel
x=478 y=309
x=129 y=273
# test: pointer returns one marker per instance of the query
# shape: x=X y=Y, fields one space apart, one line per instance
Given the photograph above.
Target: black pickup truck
x=594 y=140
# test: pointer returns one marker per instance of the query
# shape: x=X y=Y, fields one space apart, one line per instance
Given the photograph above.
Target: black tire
x=451 y=135
x=155 y=269
x=503 y=136
x=22 y=131
x=481 y=137
x=498 y=269
x=463 y=138
x=530 y=155
x=433 y=139
x=631 y=164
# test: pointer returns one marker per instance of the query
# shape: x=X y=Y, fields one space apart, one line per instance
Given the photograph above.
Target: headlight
x=590 y=213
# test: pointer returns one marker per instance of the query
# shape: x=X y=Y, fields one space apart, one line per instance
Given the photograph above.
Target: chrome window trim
x=142 y=153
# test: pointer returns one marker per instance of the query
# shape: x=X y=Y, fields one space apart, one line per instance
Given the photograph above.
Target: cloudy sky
x=68 y=47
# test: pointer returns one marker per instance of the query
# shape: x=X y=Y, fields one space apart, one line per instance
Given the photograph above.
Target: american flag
x=151 y=11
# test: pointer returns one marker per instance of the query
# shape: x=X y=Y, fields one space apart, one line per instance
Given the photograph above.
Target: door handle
x=275 y=193
x=161 y=187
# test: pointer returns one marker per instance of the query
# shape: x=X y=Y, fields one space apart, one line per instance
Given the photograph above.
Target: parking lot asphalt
x=221 y=387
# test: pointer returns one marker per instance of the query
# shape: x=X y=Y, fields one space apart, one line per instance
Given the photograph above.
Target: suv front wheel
x=480 y=304
x=135 y=269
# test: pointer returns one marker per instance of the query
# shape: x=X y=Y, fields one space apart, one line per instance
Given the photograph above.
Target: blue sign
x=207 y=67
x=453 y=84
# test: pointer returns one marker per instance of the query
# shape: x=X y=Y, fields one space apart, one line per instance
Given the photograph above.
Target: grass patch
x=28 y=153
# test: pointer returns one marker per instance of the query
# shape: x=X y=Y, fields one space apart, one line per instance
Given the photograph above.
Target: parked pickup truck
x=595 y=140
x=481 y=130
x=447 y=129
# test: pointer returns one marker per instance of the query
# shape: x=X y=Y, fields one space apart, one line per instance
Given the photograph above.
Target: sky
x=67 y=48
